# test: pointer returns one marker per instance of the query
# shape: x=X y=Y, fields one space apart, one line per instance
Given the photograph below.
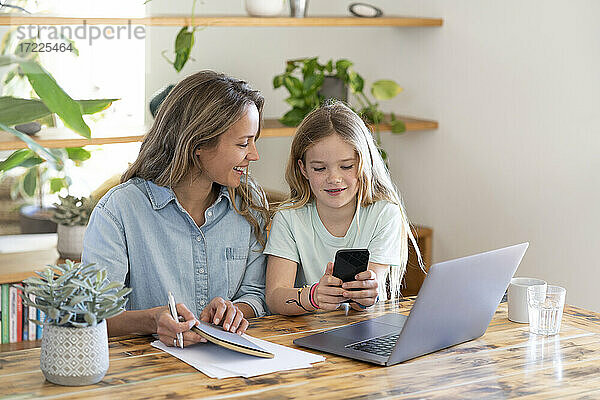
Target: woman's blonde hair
x=194 y=115
x=374 y=182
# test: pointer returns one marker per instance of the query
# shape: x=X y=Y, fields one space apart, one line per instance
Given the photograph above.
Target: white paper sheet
x=218 y=362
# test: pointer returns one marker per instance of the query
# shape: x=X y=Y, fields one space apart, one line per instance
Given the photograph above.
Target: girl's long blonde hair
x=194 y=115
x=374 y=182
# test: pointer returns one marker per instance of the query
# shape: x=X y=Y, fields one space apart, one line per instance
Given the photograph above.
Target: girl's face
x=331 y=169
x=225 y=164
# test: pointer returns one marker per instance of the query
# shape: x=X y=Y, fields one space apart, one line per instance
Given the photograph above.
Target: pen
x=173 y=310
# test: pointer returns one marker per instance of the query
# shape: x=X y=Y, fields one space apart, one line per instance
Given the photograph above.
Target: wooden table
x=507 y=362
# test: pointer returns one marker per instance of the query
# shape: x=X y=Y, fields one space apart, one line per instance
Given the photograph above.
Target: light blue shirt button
x=198 y=238
x=209 y=213
x=201 y=270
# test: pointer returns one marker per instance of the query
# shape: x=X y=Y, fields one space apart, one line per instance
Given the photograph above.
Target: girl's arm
x=281 y=296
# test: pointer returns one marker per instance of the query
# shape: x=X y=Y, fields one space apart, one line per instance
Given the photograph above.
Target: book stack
x=16 y=323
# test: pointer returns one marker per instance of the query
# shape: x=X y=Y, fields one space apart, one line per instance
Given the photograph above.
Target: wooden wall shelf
x=59 y=138
x=223 y=21
x=19 y=266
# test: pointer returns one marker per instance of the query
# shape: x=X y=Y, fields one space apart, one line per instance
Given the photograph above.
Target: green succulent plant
x=73 y=210
x=75 y=295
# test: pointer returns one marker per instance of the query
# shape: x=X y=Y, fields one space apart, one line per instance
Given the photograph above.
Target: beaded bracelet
x=311 y=296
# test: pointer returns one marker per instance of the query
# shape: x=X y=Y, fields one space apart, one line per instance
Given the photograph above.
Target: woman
x=187 y=218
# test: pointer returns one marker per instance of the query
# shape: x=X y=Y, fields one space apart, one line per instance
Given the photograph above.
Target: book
x=19 y=306
x=32 y=315
x=39 y=331
x=12 y=334
x=5 y=314
x=25 y=323
x=232 y=341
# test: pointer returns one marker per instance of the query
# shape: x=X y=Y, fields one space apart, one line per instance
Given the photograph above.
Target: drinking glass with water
x=545 y=305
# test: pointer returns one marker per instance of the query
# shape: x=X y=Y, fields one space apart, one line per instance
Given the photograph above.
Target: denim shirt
x=146 y=239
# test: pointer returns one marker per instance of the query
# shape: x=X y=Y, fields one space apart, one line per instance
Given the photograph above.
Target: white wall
x=516 y=90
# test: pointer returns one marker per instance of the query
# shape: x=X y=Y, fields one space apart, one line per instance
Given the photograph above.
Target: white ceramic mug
x=517 y=298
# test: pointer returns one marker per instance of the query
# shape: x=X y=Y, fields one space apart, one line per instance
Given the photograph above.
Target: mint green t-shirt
x=300 y=236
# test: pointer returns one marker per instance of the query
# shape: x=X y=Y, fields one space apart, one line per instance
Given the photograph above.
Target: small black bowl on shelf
x=29 y=128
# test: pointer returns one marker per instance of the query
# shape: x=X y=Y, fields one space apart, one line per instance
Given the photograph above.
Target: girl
x=341 y=196
x=187 y=218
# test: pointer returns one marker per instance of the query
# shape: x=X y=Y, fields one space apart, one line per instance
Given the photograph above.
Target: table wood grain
x=506 y=362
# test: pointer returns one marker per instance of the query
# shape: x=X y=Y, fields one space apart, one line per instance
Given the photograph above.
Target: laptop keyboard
x=381 y=346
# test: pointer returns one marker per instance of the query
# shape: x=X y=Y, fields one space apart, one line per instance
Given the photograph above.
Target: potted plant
x=306 y=78
x=44 y=169
x=72 y=215
x=39 y=179
x=76 y=299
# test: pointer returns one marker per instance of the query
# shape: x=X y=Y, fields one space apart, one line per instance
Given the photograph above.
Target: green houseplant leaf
x=183 y=47
x=16 y=159
x=55 y=98
x=15 y=111
x=56 y=184
x=398 y=126
x=32 y=144
x=385 y=89
x=30 y=182
x=78 y=153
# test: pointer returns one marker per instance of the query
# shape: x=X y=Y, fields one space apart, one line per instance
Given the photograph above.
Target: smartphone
x=349 y=262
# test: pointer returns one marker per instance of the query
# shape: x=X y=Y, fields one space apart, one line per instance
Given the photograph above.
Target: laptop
x=455 y=304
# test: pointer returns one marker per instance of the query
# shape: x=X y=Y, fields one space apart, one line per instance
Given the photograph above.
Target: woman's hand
x=364 y=288
x=328 y=294
x=224 y=312
x=167 y=328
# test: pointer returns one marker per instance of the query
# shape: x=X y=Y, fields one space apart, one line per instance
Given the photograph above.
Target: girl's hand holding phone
x=363 y=290
x=328 y=294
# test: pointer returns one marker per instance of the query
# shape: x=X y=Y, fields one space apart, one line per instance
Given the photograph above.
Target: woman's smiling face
x=226 y=163
x=331 y=166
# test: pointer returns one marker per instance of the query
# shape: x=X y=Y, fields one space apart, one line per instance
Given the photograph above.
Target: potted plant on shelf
x=72 y=215
x=306 y=78
x=40 y=178
x=76 y=299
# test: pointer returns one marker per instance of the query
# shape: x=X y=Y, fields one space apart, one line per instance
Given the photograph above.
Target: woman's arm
x=138 y=322
x=156 y=320
x=250 y=297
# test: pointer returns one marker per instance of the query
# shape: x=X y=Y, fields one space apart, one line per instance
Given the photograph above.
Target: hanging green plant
x=184 y=42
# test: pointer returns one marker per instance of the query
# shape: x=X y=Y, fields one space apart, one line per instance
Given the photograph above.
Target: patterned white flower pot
x=74 y=356
x=70 y=241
